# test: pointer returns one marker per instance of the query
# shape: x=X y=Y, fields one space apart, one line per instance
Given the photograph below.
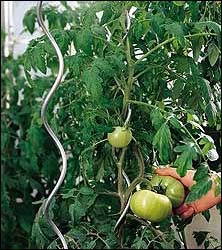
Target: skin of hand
x=205 y=202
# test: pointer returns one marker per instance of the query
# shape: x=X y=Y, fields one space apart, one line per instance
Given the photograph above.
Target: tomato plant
x=167 y=69
x=150 y=206
x=120 y=137
x=172 y=188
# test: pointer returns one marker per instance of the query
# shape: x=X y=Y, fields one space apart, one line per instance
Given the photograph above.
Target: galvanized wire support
x=49 y=130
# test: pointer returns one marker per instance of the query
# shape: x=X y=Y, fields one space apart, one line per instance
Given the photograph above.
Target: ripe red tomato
x=150 y=205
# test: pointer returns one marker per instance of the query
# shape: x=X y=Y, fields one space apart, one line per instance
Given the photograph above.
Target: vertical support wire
x=49 y=130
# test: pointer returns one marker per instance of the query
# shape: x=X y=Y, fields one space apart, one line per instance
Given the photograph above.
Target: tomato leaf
x=211 y=25
x=157 y=118
x=93 y=83
x=86 y=190
x=39 y=59
x=197 y=44
x=218 y=185
x=76 y=211
x=213 y=53
x=184 y=160
x=176 y=29
x=199 y=189
x=205 y=89
x=162 y=141
x=177 y=88
x=176 y=123
x=84 y=41
x=201 y=172
x=69 y=194
x=211 y=112
x=29 y=20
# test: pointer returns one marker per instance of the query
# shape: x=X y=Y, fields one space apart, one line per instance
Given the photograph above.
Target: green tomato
x=150 y=206
x=174 y=189
x=120 y=137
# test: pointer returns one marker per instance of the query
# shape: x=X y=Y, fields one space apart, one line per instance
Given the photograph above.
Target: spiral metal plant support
x=49 y=130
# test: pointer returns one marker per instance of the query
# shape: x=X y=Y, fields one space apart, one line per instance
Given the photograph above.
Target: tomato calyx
x=160 y=189
x=170 y=187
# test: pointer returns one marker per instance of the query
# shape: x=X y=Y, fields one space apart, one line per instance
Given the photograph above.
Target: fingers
x=187 y=180
x=181 y=209
x=168 y=171
x=189 y=212
x=185 y=211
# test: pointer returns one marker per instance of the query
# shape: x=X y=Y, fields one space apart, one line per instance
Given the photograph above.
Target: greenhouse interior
x=110 y=124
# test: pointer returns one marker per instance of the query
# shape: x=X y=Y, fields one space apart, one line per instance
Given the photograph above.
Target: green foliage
x=167 y=69
x=162 y=140
x=184 y=160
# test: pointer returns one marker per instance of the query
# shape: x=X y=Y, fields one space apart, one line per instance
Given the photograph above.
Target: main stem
x=119 y=164
x=130 y=80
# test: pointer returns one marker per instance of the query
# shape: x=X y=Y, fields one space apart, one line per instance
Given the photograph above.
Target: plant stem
x=139 y=178
x=99 y=237
x=119 y=164
x=170 y=40
x=146 y=104
x=145 y=70
x=194 y=140
x=154 y=49
x=130 y=80
x=92 y=146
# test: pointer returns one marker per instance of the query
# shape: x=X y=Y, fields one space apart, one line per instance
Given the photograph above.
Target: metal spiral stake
x=49 y=130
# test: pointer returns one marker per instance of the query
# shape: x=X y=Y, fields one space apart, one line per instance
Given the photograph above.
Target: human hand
x=205 y=202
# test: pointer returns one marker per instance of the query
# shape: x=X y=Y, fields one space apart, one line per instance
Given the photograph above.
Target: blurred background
x=12 y=13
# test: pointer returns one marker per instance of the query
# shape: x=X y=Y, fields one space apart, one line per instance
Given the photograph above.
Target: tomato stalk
x=130 y=80
x=119 y=164
x=139 y=178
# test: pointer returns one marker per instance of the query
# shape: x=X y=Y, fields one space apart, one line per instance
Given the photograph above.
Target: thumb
x=168 y=171
x=187 y=180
